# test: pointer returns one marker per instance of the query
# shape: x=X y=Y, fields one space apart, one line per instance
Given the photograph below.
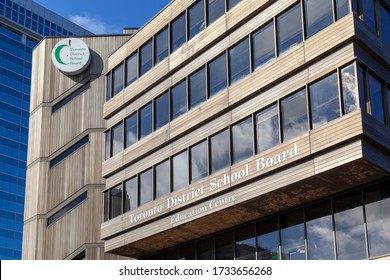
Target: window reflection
x=107 y=136
x=117 y=138
x=267 y=128
x=219 y=150
x=146 y=120
x=289 y=27
x=116 y=201
x=376 y=101
x=342 y=8
x=146 y=187
x=242 y=140
x=246 y=243
x=292 y=236
x=232 y=3
x=368 y=9
x=197 y=88
x=319 y=230
x=268 y=239
x=350 y=92
x=318 y=15
x=263 y=45
x=131 y=69
x=239 y=61
x=178 y=100
x=178 y=32
x=349 y=227
x=324 y=101
x=384 y=15
x=377 y=210
x=117 y=79
x=161 y=111
x=130 y=195
x=145 y=56
x=294 y=115
x=161 y=45
x=205 y=249
x=199 y=165
x=217 y=75
x=180 y=170
x=215 y=9
x=162 y=179
x=196 y=20
x=131 y=130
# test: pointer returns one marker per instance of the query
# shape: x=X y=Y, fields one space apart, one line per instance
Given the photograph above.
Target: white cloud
x=94 y=25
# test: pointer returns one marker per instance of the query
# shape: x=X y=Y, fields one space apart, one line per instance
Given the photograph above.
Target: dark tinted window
x=130 y=195
x=376 y=100
x=292 y=236
x=187 y=252
x=131 y=69
x=384 y=15
x=74 y=203
x=219 y=151
x=268 y=239
x=131 y=130
x=116 y=201
x=246 y=243
x=145 y=115
x=117 y=79
x=199 y=162
x=342 y=8
x=145 y=58
x=205 y=249
x=162 y=179
x=108 y=87
x=239 y=61
x=107 y=136
x=215 y=9
x=242 y=140
x=318 y=15
x=368 y=9
x=178 y=100
x=263 y=45
x=69 y=151
x=232 y=3
x=145 y=187
x=117 y=138
x=180 y=171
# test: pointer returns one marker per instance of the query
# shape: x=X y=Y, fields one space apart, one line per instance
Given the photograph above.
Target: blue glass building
x=23 y=24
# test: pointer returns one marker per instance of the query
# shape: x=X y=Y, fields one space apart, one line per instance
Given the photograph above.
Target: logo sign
x=71 y=56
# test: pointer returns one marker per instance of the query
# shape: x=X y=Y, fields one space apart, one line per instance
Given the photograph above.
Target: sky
x=106 y=16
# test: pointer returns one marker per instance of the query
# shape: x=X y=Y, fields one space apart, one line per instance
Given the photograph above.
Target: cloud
x=94 y=25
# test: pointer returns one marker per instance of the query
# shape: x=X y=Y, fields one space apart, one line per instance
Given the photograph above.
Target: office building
x=250 y=129
x=23 y=24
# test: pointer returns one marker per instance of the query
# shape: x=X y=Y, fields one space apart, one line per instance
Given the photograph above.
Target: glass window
x=384 y=15
x=294 y=115
x=145 y=187
x=217 y=75
x=362 y=88
x=388 y=104
x=263 y=45
x=131 y=130
x=67 y=152
x=180 y=171
x=108 y=87
x=116 y=201
x=349 y=88
x=342 y=8
x=215 y=9
x=368 y=9
x=145 y=115
x=196 y=19
x=178 y=32
x=67 y=208
x=239 y=61
x=161 y=110
x=131 y=69
x=289 y=28
x=162 y=179
x=376 y=100
x=205 y=249
x=117 y=80
x=324 y=101
x=267 y=128
x=224 y=246
x=268 y=239
x=292 y=236
x=219 y=151
x=319 y=228
x=107 y=144
x=377 y=208
x=318 y=15
x=172 y=254
x=246 y=243
x=130 y=195
x=199 y=162
x=232 y=3
x=349 y=227
x=242 y=140
x=197 y=88
x=178 y=100
x=145 y=58
x=161 y=45
x=117 y=138
x=106 y=206
x=187 y=252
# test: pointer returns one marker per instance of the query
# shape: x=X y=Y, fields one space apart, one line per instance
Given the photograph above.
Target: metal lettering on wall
x=261 y=164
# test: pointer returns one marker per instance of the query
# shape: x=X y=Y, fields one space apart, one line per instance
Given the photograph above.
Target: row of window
x=327 y=99
x=192 y=21
x=345 y=227
x=237 y=62
x=376 y=15
x=69 y=151
x=31 y=20
x=67 y=208
x=71 y=96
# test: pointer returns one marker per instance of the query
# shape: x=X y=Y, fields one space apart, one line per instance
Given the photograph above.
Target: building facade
x=22 y=25
x=64 y=200
x=250 y=130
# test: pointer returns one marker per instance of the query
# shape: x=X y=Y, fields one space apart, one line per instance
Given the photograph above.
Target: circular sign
x=71 y=56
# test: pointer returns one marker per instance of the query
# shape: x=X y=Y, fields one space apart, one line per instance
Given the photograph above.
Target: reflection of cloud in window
x=320 y=238
x=350 y=94
x=242 y=138
x=267 y=129
x=199 y=166
x=131 y=137
x=378 y=227
x=220 y=150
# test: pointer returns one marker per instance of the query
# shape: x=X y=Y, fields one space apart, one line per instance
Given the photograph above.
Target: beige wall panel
x=39 y=134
